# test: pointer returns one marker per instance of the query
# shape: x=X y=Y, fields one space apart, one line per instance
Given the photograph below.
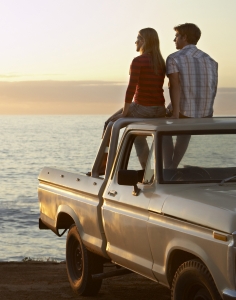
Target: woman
x=147 y=73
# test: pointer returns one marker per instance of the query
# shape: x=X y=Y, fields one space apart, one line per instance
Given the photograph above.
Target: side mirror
x=131 y=178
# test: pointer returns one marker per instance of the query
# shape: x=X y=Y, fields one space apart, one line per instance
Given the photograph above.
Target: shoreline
x=48 y=280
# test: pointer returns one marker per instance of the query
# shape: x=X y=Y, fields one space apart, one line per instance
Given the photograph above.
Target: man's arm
x=174 y=93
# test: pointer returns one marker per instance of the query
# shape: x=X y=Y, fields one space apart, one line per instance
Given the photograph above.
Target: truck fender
x=186 y=246
x=69 y=211
x=188 y=249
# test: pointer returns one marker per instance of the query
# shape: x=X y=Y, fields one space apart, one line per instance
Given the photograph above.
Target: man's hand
x=174 y=116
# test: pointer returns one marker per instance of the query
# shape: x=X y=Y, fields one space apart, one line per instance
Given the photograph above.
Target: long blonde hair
x=151 y=46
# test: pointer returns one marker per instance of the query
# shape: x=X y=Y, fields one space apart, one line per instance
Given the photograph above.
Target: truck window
x=199 y=157
x=142 y=157
x=150 y=167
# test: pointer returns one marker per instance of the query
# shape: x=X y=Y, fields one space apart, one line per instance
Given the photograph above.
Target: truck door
x=125 y=216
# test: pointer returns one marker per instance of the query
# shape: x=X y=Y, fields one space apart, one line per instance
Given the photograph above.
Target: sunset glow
x=92 y=40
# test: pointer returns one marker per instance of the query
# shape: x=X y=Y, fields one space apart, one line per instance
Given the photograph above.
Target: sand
x=47 y=280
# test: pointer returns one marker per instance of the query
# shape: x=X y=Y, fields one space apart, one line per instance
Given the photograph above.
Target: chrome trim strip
x=234 y=238
x=229 y=294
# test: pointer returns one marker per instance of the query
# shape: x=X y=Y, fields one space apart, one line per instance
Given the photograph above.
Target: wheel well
x=177 y=258
x=64 y=221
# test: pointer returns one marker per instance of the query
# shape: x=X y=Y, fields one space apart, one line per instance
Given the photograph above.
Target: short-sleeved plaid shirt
x=198 y=75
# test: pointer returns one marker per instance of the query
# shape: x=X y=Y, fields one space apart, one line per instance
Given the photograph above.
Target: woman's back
x=144 y=83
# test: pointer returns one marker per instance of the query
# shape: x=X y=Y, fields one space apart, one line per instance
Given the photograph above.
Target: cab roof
x=188 y=124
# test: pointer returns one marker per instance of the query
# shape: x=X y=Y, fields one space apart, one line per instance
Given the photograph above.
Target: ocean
x=28 y=143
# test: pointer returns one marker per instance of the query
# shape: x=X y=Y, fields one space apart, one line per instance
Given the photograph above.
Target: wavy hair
x=192 y=32
x=151 y=46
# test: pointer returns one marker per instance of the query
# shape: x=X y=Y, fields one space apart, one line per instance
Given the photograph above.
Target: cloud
x=89 y=91
x=16 y=75
x=9 y=76
x=61 y=97
x=82 y=97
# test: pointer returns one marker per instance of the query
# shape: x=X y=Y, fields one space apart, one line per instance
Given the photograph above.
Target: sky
x=51 y=44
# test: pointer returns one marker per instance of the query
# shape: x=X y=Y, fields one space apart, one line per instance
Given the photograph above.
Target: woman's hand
x=121 y=114
x=116 y=117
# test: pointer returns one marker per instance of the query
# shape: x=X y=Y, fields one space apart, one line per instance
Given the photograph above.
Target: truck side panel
x=82 y=204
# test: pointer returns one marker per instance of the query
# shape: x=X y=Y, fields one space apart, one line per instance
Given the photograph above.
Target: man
x=193 y=78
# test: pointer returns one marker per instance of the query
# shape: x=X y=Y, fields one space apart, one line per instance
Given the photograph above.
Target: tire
x=192 y=281
x=81 y=264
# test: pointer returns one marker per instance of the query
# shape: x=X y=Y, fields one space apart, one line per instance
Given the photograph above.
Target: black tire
x=81 y=264
x=192 y=281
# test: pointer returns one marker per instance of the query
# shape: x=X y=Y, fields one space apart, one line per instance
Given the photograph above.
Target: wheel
x=192 y=281
x=81 y=264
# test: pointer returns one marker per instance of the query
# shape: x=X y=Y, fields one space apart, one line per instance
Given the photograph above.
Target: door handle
x=112 y=193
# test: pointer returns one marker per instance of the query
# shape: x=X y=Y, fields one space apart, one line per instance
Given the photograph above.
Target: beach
x=47 y=280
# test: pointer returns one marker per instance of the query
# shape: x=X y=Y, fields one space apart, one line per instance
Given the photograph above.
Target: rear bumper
x=229 y=294
x=42 y=225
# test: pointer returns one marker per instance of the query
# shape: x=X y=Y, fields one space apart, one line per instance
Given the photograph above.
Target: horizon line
x=85 y=82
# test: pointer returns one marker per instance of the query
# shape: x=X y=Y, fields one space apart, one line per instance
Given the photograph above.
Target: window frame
x=122 y=156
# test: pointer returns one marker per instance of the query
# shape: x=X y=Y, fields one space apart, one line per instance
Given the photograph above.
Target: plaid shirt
x=198 y=75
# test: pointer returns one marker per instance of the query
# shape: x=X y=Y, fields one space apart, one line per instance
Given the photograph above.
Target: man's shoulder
x=192 y=52
x=202 y=54
x=187 y=50
x=174 y=54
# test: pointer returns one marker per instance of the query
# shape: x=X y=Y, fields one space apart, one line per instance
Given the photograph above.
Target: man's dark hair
x=192 y=32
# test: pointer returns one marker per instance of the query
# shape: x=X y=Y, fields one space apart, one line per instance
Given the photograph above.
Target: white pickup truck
x=173 y=225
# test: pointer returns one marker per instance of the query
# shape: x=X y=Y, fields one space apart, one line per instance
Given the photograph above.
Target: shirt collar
x=190 y=46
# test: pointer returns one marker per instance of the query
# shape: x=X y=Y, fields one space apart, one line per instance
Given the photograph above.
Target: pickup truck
x=174 y=223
